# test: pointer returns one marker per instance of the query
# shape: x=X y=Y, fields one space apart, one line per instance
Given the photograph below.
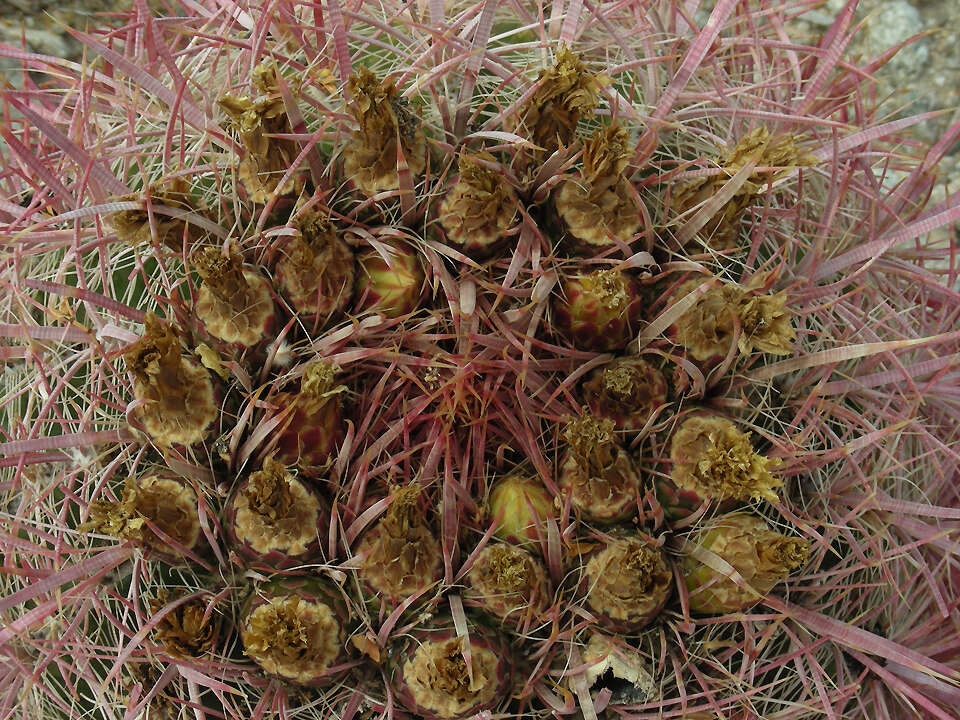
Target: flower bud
x=598 y=310
x=711 y=460
x=478 y=209
x=626 y=583
x=311 y=435
x=179 y=401
x=761 y=556
x=234 y=304
x=626 y=391
x=520 y=505
x=433 y=680
x=149 y=504
x=296 y=629
x=401 y=555
x=599 y=475
x=316 y=272
x=508 y=583
x=274 y=520
x=389 y=288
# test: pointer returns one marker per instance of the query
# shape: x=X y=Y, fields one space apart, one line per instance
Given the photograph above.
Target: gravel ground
x=922 y=77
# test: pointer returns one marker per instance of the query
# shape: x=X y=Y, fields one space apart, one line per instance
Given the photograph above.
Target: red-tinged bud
x=598 y=310
x=602 y=480
x=600 y=209
x=478 y=210
x=311 y=436
x=401 y=554
x=151 y=505
x=508 y=583
x=275 y=521
x=711 y=460
x=391 y=288
x=626 y=583
x=520 y=505
x=760 y=555
x=234 y=304
x=316 y=273
x=433 y=680
x=180 y=405
x=626 y=391
x=296 y=629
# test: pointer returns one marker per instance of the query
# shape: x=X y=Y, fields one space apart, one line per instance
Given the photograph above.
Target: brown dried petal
x=506 y=579
x=183 y=631
x=765 y=324
x=591 y=441
x=439 y=680
x=628 y=580
x=234 y=304
x=480 y=207
x=292 y=638
x=706 y=330
x=370 y=159
x=276 y=512
x=565 y=93
x=168 y=504
x=712 y=457
x=133 y=226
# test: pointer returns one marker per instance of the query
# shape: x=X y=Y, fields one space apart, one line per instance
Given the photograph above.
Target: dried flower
x=707 y=329
x=599 y=475
x=723 y=229
x=761 y=556
x=384 y=120
x=565 y=93
x=600 y=208
x=275 y=520
x=478 y=209
x=186 y=631
x=179 y=402
x=295 y=630
x=314 y=430
x=234 y=304
x=507 y=582
x=259 y=120
x=626 y=391
x=152 y=501
x=401 y=555
x=712 y=460
x=316 y=272
x=133 y=226
x=627 y=583
x=435 y=682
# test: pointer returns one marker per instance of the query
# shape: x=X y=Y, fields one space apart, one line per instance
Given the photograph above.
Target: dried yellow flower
x=628 y=583
x=133 y=226
x=234 y=304
x=713 y=458
x=479 y=208
x=440 y=681
x=566 y=93
x=506 y=581
x=292 y=637
x=179 y=400
x=724 y=227
x=384 y=120
x=275 y=512
x=184 y=632
x=168 y=504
